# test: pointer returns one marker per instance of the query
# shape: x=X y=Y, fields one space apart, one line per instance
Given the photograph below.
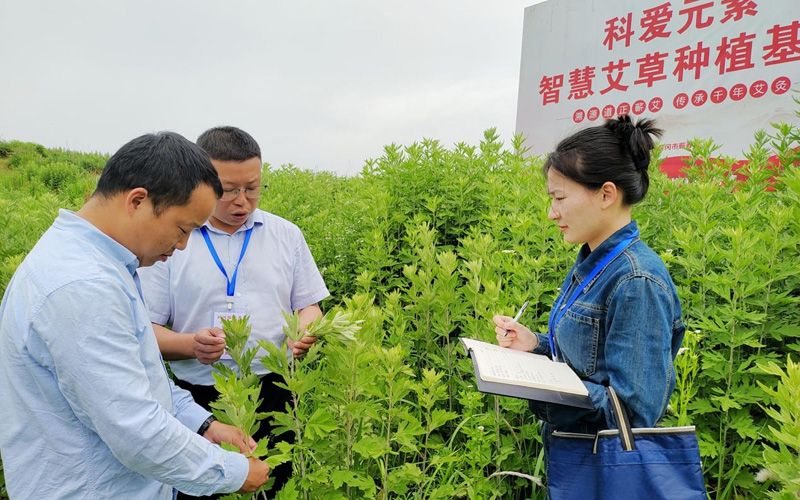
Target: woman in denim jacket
x=625 y=328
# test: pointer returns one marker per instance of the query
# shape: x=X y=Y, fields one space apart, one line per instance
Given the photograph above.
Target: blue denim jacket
x=623 y=331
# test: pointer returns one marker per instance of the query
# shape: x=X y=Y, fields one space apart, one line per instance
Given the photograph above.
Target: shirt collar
x=587 y=259
x=71 y=222
x=256 y=217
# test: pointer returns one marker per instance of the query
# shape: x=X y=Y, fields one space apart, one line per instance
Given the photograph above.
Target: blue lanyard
x=231 y=281
x=560 y=310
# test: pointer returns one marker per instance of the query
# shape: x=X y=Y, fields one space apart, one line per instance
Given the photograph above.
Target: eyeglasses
x=249 y=192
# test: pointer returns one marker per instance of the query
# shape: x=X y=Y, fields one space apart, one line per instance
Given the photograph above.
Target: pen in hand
x=518 y=316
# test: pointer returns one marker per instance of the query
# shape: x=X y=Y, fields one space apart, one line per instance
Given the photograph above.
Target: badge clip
x=229 y=301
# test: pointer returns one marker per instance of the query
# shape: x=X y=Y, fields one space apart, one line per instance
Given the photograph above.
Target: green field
x=428 y=242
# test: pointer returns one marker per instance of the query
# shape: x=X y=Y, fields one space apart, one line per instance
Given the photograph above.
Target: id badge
x=216 y=321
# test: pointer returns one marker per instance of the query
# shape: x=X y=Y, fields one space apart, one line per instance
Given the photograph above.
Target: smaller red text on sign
x=698 y=98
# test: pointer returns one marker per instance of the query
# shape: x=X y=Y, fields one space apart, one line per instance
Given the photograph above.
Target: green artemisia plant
x=337 y=326
x=782 y=454
x=739 y=287
x=239 y=390
x=3 y=492
x=428 y=243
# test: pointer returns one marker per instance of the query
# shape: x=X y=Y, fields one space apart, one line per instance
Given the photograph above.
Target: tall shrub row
x=429 y=242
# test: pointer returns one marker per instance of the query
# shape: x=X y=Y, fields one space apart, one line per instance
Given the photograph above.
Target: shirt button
x=238 y=294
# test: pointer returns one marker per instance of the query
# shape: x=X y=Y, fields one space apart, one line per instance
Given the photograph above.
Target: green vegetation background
x=428 y=242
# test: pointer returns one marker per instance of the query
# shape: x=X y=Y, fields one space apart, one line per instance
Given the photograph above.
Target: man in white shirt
x=242 y=261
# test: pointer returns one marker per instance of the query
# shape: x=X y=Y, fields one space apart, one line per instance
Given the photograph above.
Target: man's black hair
x=229 y=144
x=167 y=164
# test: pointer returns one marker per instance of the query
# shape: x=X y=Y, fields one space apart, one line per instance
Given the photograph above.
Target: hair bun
x=622 y=127
x=637 y=137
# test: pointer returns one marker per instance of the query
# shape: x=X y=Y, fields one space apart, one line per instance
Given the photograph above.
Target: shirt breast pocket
x=578 y=336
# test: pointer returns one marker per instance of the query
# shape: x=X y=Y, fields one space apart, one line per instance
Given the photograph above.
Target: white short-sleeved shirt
x=277 y=274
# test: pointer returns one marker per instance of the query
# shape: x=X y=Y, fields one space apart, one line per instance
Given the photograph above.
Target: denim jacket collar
x=587 y=259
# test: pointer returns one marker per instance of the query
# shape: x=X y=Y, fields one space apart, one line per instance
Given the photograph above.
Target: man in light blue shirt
x=88 y=410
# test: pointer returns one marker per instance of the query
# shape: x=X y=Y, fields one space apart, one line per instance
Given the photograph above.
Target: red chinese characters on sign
x=580 y=82
x=781 y=85
x=737 y=9
x=654 y=22
x=732 y=53
x=718 y=95
x=735 y=54
x=549 y=89
x=619 y=29
x=738 y=92
x=695 y=16
x=614 y=75
x=699 y=98
x=674 y=145
x=651 y=68
x=680 y=101
x=689 y=59
x=655 y=104
x=759 y=89
x=785 y=46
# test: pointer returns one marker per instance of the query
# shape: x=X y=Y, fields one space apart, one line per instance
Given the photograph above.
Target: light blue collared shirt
x=86 y=406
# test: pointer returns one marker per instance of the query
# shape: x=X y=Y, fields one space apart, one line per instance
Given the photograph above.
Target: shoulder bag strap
x=623 y=421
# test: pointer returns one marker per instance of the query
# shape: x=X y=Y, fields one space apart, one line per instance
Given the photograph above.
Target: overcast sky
x=321 y=84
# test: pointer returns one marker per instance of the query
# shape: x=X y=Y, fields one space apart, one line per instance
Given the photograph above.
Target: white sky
x=321 y=84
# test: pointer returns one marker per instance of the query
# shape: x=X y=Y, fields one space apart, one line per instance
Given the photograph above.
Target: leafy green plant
x=687 y=367
x=782 y=456
x=56 y=176
x=428 y=243
x=332 y=326
x=3 y=492
x=239 y=390
x=736 y=286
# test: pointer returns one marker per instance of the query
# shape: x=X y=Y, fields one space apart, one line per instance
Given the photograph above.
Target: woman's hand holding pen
x=514 y=335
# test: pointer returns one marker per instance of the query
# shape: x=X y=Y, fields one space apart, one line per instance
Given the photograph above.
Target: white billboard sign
x=717 y=69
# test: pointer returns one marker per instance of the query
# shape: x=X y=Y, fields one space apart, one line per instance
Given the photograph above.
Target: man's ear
x=134 y=199
x=610 y=194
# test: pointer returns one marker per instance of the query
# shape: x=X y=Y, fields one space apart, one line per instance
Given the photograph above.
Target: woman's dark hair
x=617 y=151
x=229 y=144
x=167 y=164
